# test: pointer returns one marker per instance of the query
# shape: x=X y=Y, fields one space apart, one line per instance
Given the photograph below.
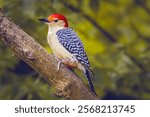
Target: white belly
x=58 y=50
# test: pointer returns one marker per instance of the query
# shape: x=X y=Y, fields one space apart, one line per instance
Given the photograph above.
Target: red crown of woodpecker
x=58 y=16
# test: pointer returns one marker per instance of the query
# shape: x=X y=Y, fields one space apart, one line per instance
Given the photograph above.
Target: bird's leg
x=58 y=66
x=70 y=62
x=56 y=58
x=59 y=63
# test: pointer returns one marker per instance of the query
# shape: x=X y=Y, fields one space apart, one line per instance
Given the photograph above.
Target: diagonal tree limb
x=66 y=83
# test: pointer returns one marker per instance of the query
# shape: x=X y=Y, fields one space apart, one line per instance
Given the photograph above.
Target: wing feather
x=70 y=40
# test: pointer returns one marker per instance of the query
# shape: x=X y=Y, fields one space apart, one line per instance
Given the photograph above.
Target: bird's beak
x=44 y=20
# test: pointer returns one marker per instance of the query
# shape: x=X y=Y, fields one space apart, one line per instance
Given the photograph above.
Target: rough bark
x=66 y=83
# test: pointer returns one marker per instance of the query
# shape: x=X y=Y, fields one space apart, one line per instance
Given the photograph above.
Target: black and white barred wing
x=69 y=39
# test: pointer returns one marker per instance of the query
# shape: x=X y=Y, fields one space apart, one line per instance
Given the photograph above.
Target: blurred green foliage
x=116 y=36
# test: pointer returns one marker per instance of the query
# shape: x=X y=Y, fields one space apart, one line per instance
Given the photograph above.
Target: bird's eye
x=56 y=20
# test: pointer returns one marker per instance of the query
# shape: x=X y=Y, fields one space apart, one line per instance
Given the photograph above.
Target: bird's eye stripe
x=56 y=20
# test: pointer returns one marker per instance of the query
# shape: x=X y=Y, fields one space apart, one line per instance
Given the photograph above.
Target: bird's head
x=55 y=20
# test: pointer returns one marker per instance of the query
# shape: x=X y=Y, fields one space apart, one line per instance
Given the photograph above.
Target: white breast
x=58 y=50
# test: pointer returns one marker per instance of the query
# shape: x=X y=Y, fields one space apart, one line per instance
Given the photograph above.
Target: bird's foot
x=69 y=62
x=58 y=66
x=57 y=59
x=59 y=63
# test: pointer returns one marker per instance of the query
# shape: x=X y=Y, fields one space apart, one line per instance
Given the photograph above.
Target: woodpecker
x=67 y=46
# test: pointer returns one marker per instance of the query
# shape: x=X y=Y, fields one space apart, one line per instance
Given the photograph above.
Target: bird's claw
x=63 y=61
x=58 y=66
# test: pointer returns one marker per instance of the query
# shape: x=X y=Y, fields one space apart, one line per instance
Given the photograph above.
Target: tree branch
x=66 y=83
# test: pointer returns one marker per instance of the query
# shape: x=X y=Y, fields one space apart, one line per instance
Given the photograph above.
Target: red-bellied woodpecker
x=66 y=46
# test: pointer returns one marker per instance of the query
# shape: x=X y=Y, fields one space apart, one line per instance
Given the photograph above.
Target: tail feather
x=91 y=72
x=88 y=75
